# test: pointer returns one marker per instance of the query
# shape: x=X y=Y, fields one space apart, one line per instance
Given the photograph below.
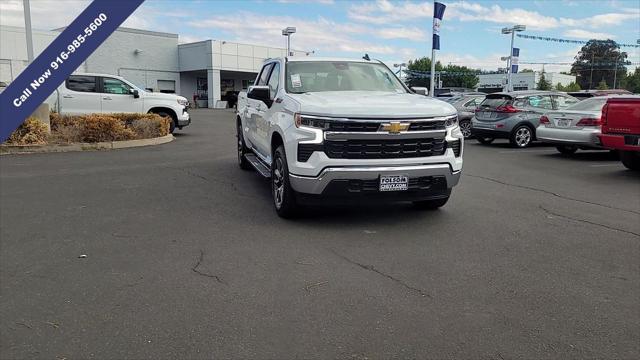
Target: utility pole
x=512 y=31
x=591 y=76
x=27 y=28
x=287 y=32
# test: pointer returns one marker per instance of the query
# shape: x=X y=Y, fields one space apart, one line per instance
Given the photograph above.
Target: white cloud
x=321 y=35
x=385 y=12
x=45 y=14
x=584 y=34
x=412 y=33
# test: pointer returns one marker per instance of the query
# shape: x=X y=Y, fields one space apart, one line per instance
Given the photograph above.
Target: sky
x=392 y=31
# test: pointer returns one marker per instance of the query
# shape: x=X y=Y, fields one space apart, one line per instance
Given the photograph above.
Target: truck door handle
x=106 y=98
x=67 y=96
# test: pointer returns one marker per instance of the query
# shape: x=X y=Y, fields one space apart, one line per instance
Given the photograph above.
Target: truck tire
x=521 y=136
x=172 y=124
x=484 y=140
x=284 y=197
x=630 y=159
x=242 y=149
x=430 y=204
x=566 y=149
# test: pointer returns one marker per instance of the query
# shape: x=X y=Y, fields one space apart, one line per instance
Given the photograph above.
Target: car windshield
x=591 y=104
x=318 y=76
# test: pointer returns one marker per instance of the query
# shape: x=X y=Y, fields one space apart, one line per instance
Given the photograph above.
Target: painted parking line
x=527 y=151
x=606 y=165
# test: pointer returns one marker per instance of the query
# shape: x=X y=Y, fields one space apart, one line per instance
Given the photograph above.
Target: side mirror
x=420 y=91
x=135 y=93
x=261 y=93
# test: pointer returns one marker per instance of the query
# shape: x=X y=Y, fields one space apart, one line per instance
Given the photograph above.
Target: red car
x=621 y=128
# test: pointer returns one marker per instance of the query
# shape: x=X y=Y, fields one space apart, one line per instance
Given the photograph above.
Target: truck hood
x=162 y=96
x=371 y=104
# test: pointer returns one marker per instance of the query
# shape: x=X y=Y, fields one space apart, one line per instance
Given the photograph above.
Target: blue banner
x=61 y=58
x=438 y=13
x=514 y=60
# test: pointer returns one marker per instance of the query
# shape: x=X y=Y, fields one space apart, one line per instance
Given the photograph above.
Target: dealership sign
x=61 y=58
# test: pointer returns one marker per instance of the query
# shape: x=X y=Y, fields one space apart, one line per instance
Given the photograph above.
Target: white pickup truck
x=326 y=129
x=103 y=93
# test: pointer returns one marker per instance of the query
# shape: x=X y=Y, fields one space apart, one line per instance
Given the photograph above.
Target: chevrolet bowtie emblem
x=394 y=127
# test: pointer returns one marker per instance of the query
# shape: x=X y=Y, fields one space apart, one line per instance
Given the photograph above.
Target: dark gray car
x=466 y=105
x=515 y=115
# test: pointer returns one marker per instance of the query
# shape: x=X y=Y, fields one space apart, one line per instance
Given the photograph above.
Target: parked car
x=346 y=130
x=587 y=94
x=573 y=128
x=466 y=105
x=104 y=93
x=621 y=128
x=515 y=115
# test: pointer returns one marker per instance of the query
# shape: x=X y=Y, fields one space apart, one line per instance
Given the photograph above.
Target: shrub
x=107 y=127
x=103 y=127
x=30 y=132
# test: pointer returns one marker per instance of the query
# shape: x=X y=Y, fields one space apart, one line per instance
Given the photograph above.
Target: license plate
x=564 y=123
x=488 y=114
x=394 y=182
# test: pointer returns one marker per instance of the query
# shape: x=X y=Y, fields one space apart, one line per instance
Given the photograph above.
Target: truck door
x=116 y=97
x=79 y=95
x=266 y=111
x=254 y=109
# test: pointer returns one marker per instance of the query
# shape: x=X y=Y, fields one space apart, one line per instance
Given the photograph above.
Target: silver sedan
x=575 y=127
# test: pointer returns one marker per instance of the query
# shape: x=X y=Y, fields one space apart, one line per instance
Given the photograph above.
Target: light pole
x=400 y=71
x=27 y=29
x=287 y=32
x=512 y=31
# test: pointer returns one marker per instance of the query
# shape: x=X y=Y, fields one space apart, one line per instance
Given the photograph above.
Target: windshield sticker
x=295 y=81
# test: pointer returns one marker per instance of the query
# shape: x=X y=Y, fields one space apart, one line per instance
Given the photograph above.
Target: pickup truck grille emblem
x=394 y=127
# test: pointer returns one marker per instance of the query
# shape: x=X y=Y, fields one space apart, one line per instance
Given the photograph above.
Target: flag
x=514 y=60
x=438 y=12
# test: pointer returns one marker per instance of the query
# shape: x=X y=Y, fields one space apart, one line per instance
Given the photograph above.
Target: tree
x=602 y=85
x=632 y=81
x=452 y=75
x=526 y=70
x=572 y=87
x=543 y=84
x=560 y=87
x=599 y=60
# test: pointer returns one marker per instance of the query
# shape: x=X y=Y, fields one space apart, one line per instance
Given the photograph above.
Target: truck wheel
x=465 y=128
x=567 y=149
x=484 y=140
x=630 y=159
x=242 y=149
x=430 y=204
x=172 y=123
x=521 y=136
x=284 y=197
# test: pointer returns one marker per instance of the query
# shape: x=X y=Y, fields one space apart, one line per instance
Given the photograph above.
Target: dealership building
x=155 y=61
x=490 y=83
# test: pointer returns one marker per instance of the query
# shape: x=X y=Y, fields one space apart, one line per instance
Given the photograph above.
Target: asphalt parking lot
x=535 y=256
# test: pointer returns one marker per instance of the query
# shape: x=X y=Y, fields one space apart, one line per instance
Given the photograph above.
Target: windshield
x=592 y=104
x=317 y=76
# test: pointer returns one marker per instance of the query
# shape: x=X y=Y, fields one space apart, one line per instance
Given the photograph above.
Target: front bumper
x=183 y=119
x=319 y=185
x=582 y=137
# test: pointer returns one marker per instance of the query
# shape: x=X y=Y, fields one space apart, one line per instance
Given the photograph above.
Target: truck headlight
x=301 y=120
x=451 y=121
x=183 y=102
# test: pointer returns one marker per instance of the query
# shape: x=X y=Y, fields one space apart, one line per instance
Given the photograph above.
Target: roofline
x=137 y=31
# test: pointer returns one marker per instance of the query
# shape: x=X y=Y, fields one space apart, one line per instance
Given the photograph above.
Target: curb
x=106 y=145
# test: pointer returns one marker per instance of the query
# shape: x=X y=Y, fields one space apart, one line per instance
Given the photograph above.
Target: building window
x=167 y=86
x=246 y=84
x=201 y=88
